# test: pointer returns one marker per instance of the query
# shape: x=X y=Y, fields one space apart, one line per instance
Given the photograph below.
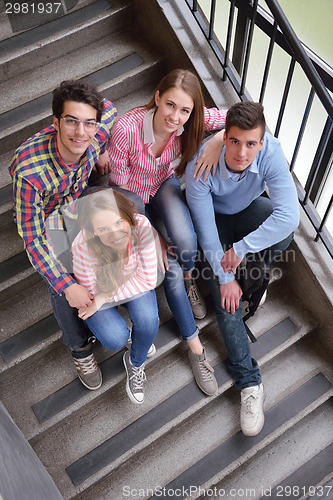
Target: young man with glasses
x=49 y=171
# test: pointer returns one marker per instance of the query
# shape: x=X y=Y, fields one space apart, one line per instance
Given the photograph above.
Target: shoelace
x=206 y=369
x=191 y=292
x=87 y=365
x=249 y=399
x=138 y=378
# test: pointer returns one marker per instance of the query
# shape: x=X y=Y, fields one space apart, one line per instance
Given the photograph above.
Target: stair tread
x=40 y=33
x=305 y=479
x=40 y=82
x=300 y=449
x=11 y=244
x=176 y=447
x=159 y=416
x=273 y=313
x=10 y=26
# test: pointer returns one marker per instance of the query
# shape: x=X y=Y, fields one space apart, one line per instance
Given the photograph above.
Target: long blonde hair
x=194 y=128
x=109 y=271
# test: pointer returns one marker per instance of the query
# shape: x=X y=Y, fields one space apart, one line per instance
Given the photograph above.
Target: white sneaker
x=263 y=299
x=151 y=352
x=252 y=410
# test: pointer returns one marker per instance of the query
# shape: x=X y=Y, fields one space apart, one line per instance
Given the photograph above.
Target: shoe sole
x=90 y=388
x=128 y=390
x=199 y=317
x=207 y=393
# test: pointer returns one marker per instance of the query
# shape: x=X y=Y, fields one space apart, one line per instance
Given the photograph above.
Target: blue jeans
x=169 y=205
x=177 y=299
x=74 y=331
x=112 y=331
x=232 y=228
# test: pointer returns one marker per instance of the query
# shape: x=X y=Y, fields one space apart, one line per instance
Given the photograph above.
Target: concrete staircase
x=179 y=443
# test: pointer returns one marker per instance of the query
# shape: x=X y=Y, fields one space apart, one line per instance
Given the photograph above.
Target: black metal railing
x=276 y=26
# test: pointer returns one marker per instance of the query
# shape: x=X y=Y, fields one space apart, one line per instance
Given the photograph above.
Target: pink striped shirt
x=131 y=157
x=142 y=262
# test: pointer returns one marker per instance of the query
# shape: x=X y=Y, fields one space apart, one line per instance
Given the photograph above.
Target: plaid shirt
x=42 y=184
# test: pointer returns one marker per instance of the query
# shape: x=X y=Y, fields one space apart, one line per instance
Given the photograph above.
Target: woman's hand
x=210 y=156
x=97 y=302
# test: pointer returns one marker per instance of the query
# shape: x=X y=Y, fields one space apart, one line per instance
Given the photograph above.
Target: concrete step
x=205 y=448
x=14 y=21
x=172 y=395
x=237 y=449
x=62 y=394
x=28 y=327
x=130 y=66
x=27 y=51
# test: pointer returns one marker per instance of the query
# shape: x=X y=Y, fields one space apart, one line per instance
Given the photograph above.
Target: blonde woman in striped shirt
x=144 y=142
x=115 y=256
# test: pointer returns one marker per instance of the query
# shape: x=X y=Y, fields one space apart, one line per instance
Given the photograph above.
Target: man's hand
x=230 y=296
x=209 y=158
x=230 y=261
x=78 y=296
x=102 y=165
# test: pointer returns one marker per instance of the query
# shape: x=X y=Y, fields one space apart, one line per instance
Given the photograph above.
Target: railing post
x=241 y=35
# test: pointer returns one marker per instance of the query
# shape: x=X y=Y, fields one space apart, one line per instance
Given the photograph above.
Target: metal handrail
x=301 y=56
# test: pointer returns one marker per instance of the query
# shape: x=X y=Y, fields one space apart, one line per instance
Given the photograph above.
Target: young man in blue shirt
x=232 y=219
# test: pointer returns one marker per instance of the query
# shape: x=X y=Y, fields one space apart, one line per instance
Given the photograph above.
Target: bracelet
x=109 y=299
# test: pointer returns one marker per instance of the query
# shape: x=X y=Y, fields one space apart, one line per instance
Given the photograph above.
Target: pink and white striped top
x=142 y=262
x=131 y=158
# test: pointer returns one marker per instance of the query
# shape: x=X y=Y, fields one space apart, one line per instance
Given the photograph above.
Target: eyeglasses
x=73 y=123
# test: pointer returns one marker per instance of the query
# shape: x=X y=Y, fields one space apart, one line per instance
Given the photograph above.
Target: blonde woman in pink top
x=144 y=144
x=115 y=256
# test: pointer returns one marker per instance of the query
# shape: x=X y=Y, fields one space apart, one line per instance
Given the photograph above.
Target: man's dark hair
x=246 y=115
x=78 y=91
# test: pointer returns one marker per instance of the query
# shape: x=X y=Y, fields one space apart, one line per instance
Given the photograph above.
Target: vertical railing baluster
x=248 y=48
x=302 y=128
x=268 y=63
x=228 y=41
x=324 y=219
x=285 y=96
x=212 y=19
x=319 y=153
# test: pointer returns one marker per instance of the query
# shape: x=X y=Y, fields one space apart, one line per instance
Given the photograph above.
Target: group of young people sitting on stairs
x=100 y=247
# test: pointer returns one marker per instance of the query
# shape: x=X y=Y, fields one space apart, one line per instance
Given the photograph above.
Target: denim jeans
x=177 y=299
x=74 y=332
x=169 y=205
x=232 y=228
x=110 y=328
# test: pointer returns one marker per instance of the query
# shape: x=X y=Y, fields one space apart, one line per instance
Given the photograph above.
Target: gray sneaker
x=203 y=373
x=197 y=302
x=89 y=372
x=135 y=379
